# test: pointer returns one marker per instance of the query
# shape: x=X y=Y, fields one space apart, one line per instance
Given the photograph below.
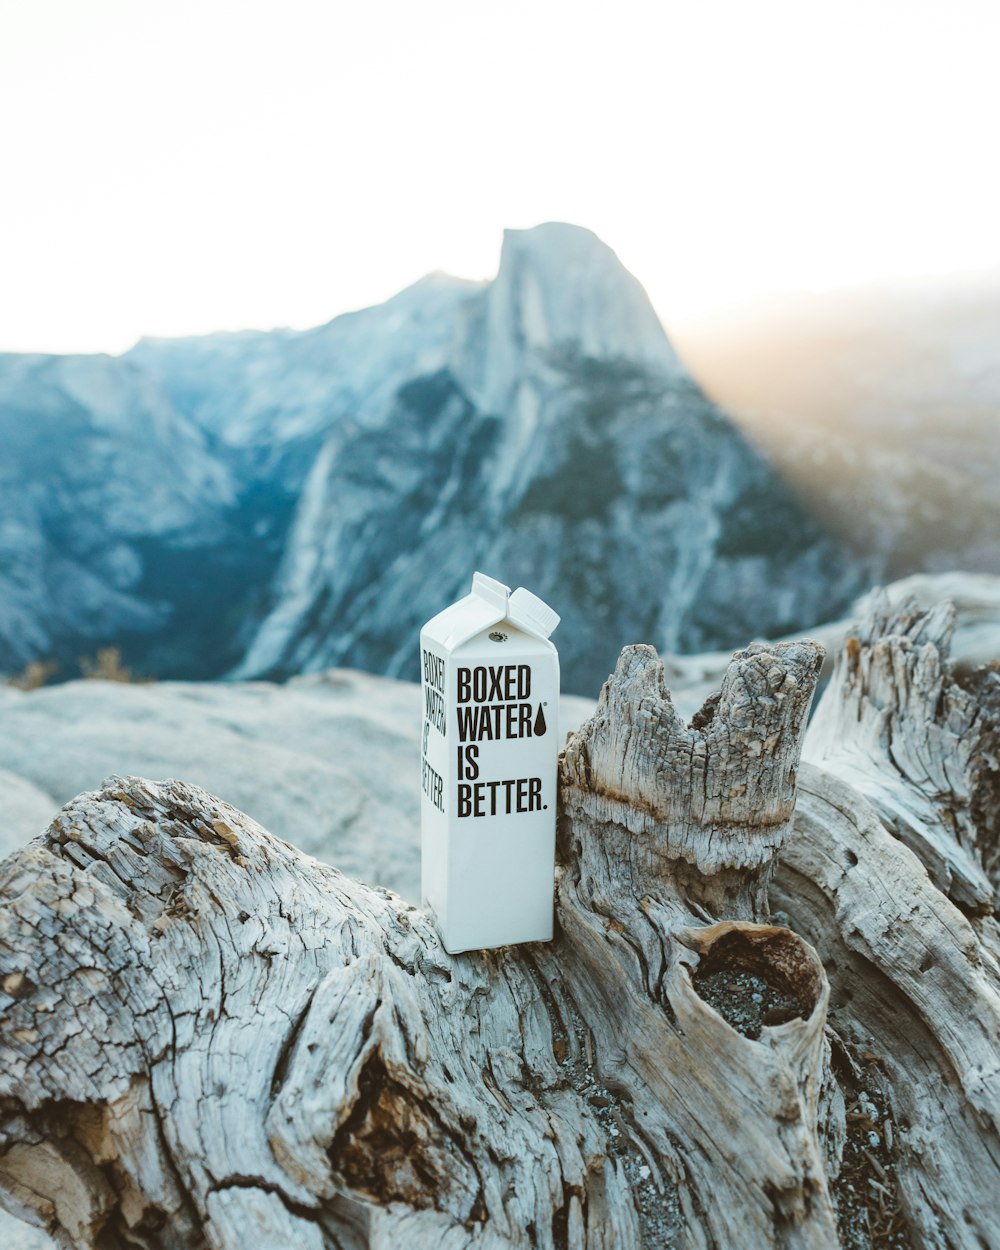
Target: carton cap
x=489 y=603
x=529 y=612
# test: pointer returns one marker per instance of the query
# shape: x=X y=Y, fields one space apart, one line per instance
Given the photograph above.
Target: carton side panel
x=434 y=781
x=501 y=892
x=501 y=802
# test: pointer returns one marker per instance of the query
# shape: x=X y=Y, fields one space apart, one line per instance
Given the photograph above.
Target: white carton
x=490 y=685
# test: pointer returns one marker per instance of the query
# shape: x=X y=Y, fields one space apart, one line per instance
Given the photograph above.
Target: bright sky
x=182 y=166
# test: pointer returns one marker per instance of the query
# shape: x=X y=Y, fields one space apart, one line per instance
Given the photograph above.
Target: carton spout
x=531 y=613
x=495 y=593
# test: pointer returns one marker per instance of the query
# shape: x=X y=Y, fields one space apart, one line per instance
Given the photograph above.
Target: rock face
x=539 y=426
x=560 y=444
x=118 y=522
x=267 y=400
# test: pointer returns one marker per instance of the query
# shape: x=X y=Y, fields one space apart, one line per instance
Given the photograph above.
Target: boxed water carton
x=490 y=684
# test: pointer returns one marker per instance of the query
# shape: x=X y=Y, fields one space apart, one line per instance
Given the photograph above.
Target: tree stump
x=211 y=1040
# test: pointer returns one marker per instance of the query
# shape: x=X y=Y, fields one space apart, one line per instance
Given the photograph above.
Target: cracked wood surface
x=211 y=1040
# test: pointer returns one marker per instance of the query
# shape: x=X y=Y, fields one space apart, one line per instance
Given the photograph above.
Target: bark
x=211 y=1040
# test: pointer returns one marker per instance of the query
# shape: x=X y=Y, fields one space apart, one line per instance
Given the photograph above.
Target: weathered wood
x=209 y=1039
x=920 y=746
x=907 y=804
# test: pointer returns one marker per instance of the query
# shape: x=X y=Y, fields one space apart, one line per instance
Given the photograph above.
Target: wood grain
x=209 y=1039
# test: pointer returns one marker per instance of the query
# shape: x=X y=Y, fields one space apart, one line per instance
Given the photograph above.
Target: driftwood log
x=210 y=1040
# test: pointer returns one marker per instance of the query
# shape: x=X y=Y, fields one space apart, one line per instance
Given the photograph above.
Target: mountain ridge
x=540 y=425
x=562 y=498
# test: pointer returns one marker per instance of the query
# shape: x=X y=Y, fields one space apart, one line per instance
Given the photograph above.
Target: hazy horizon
x=185 y=169
x=697 y=325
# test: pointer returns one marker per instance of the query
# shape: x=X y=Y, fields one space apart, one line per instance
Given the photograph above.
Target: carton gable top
x=488 y=603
